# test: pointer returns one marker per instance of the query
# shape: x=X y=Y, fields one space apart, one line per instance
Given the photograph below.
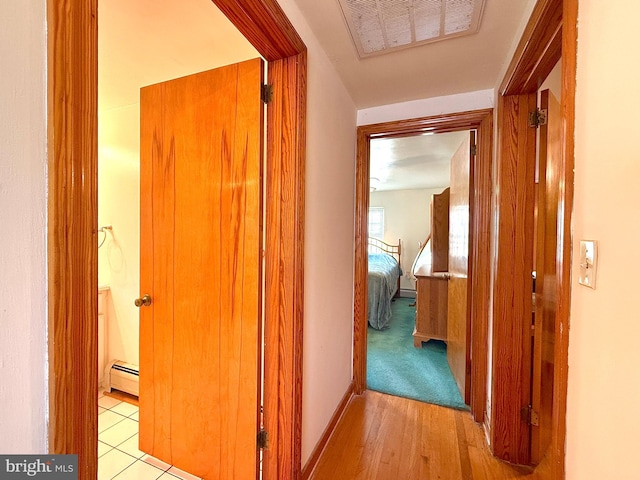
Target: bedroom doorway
x=407 y=339
x=478 y=220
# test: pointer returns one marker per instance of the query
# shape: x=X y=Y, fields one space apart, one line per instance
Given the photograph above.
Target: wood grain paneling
x=457 y=332
x=531 y=64
x=265 y=25
x=459 y=211
x=481 y=264
x=478 y=119
x=431 y=309
x=448 y=122
x=202 y=349
x=459 y=223
x=512 y=305
x=549 y=157
x=157 y=178
x=360 y=304
x=72 y=240
x=284 y=260
x=565 y=210
x=538 y=51
x=72 y=129
x=440 y=231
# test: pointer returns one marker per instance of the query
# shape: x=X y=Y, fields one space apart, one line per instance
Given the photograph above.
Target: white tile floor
x=118 y=454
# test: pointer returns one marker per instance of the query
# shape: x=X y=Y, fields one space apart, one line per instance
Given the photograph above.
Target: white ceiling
x=456 y=65
x=420 y=161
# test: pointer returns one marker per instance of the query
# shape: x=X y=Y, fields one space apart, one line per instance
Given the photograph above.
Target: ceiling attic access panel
x=381 y=26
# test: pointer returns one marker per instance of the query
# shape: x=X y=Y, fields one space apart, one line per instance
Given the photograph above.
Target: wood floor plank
x=381 y=437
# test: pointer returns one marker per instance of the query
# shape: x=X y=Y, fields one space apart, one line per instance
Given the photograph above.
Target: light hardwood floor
x=381 y=437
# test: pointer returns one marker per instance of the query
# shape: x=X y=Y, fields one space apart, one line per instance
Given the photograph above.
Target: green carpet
x=396 y=367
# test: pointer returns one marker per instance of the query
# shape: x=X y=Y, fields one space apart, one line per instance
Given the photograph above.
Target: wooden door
x=459 y=313
x=201 y=190
x=549 y=160
x=440 y=231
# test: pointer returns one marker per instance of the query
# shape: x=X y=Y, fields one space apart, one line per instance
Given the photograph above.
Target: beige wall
x=425 y=107
x=23 y=216
x=119 y=256
x=604 y=356
x=329 y=239
x=406 y=217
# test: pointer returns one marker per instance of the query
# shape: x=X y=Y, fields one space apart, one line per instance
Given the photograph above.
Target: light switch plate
x=588 y=263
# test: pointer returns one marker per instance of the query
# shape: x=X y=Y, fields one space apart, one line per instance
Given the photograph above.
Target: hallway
x=381 y=437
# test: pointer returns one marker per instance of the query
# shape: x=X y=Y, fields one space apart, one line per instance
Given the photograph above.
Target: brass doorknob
x=145 y=301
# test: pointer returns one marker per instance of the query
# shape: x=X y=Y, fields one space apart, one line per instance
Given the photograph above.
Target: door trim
x=482 y=121
x=537 y=53
x=72 y=236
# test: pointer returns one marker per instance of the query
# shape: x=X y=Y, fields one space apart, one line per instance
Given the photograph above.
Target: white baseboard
x=407 y=293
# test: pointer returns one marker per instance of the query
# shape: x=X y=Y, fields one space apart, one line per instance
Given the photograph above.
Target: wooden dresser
x=431 y=272
x=431 y=307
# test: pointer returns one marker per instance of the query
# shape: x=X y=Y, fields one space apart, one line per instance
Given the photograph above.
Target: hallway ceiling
x=456 y=65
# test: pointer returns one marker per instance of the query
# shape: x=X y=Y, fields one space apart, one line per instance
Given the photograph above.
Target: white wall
x=23 y=285
x=119 y=256
x=427 y=106
x=329 y=239
x=553 y=82
x=604 y=357
x=406 y=217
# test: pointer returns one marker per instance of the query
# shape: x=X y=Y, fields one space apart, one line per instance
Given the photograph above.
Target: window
x=376 y=222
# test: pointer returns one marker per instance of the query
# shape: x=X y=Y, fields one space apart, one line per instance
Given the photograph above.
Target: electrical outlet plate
x=588 y=263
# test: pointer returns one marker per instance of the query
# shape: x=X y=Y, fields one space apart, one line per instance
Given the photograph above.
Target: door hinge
x=530 y=416
x=266 y=93
x=263 y=439
x=538 y=118
x=474 y=150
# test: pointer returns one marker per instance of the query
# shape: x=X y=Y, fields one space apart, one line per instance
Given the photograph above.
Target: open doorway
x=479 y=219
x=407 y=336
x=134 y=51
x=73 y=213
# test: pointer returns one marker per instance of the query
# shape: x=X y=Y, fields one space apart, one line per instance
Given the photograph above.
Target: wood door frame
x=72 y=235
x=479 y=252
x=550 y=33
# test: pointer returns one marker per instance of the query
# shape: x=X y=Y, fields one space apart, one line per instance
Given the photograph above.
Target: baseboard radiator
x=124 y=377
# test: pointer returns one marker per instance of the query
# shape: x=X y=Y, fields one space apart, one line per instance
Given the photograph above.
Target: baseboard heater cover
x=124 y=377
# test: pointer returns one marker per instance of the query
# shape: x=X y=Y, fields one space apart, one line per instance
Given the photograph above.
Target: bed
x=383 y=281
